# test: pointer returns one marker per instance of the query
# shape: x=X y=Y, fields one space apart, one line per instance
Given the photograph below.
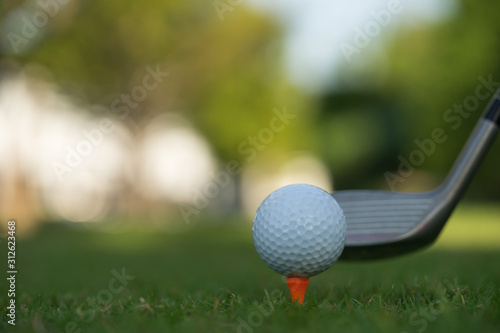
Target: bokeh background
x=169 y=113
x=140 y=137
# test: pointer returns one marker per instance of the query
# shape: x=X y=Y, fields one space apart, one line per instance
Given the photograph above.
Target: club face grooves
x=378 y=219
x=384 y=224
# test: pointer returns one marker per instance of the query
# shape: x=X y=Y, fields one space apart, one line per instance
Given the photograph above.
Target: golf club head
x=383 y=224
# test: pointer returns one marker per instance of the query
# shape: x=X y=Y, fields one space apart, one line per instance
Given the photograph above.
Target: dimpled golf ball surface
x=299 y=230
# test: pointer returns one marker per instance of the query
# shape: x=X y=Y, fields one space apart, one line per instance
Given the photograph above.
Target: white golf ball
x=299 y=230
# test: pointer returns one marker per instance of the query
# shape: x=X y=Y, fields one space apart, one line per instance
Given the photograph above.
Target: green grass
x=210 y=279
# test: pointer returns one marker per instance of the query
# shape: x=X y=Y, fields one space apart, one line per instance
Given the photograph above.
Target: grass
x=210 y=279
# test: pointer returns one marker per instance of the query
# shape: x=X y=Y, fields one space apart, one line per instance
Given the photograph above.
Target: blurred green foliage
x=227 y=76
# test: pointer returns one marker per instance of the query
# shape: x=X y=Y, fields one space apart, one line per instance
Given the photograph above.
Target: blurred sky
x=314 y=34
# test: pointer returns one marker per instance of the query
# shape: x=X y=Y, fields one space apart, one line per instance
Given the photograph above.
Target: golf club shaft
x=493 y=109
x=475 y=150
x=385 y=224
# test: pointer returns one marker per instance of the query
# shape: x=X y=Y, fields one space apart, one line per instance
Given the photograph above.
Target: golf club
x=382 y=224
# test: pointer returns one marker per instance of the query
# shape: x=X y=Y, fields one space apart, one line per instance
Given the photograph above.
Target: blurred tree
x=225 y=75
x=425 y=71
x=360 y=131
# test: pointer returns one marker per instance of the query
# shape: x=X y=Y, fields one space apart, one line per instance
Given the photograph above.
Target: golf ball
x=299 y=230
